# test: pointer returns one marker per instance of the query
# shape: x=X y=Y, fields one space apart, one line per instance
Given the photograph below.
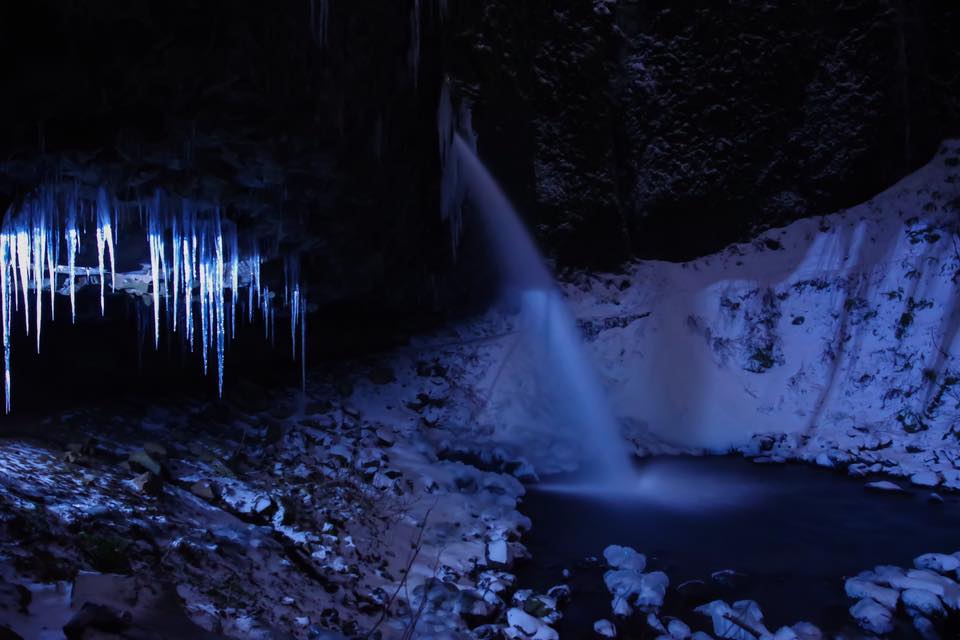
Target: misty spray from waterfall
x=578 y=401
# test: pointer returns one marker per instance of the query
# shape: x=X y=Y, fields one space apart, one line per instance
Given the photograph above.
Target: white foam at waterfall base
x=564 y=390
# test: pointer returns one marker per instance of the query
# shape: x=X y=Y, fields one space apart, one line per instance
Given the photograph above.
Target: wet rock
x=386 y=437
x=7 y=633
x=96 y=617
x=13 y=598
x=560 y=593
x=884 y=485
x=155 y=450
x=203 y=489
x=140 y=460
x=925 y=628
x=543 y=607
x=872 y=616
x=148 y=483
x=604 y=629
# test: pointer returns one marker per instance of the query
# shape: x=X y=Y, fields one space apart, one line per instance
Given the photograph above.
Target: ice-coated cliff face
x=831 y=325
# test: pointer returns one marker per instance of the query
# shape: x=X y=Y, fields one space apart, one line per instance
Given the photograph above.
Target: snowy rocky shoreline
x=383 y=501
x=277 y=515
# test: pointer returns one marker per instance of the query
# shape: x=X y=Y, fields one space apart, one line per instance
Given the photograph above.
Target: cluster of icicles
x=191 y=250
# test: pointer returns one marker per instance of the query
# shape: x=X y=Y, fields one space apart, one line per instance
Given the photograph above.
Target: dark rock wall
x=670 y=129
x=621 y=128
x=327 y=148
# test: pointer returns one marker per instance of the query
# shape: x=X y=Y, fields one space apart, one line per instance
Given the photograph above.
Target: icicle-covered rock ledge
x=196 y=267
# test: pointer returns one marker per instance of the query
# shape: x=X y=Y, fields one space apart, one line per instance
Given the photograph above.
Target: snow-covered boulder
x=742 y=621
x=604 y=629
x=925 y=478
x=523 y=626
x=939 y=562
x=632 y=589
x=807 y=631
x=624 y=558
x=862 y=588
x=872 y=616
x=923 y=602
x=678 y=629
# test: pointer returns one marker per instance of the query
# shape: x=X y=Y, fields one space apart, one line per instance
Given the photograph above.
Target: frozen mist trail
x=578 y=401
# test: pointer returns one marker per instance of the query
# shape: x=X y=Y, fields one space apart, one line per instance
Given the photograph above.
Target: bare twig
x=417 y=545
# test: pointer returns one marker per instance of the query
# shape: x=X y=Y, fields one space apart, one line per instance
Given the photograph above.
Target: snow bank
x=849 y=321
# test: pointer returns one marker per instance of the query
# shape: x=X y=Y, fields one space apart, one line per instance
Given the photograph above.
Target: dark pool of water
x=794 y=532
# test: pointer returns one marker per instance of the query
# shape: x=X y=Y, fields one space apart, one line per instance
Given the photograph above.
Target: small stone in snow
x=498 y=553
x=605 y=629
x=148 y=484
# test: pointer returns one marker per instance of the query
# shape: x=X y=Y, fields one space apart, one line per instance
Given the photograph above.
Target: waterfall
x=578 y=400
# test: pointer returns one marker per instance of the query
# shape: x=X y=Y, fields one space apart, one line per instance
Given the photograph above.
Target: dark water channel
x=792 y=533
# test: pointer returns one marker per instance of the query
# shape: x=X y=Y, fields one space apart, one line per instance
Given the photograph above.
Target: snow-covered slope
x=841 y=325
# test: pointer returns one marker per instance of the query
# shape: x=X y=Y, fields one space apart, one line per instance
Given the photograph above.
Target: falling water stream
x=578 y=400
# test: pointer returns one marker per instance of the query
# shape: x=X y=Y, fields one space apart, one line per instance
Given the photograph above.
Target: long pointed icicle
x=39 y=249
x=31 y=238
x=155 y=243
x=51 y=271
x=73 y=245
x=234 y=280
x=6 y=246
x=103 y=232
x=175 y=241
x=218 y=291
x=204 y=305
x=303 y=343
x=23 y=258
